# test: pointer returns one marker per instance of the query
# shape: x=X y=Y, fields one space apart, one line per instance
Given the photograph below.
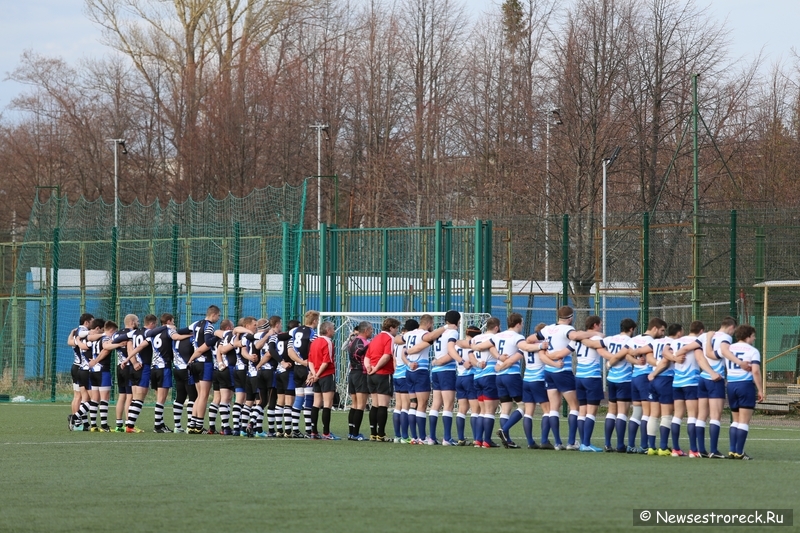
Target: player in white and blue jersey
x=465 y=391
x=559 y=378
x=483 y=358
x=660 y=357
x=744 y=388
x=684 y=390
x=443 y=377
x=418 y=379
x=534 y=390
x=589 y=382
x=618 y=380
x=640 y=385
x=509 y=378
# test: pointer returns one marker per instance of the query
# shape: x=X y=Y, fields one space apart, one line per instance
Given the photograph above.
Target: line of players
x=258 y=366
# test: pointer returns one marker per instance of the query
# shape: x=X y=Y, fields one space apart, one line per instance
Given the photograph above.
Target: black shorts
x=300 y=375
x=265 y=379
x=224 y=378
x=251 y=388
x=357 y=382
x=180 y=376
x=285 y=383
x=96 y=379
x=380 y=384
x=198 y=369
x=160 y=378
x=75 y=374
x=240 y=380
x=326 y=384
x=124 y=379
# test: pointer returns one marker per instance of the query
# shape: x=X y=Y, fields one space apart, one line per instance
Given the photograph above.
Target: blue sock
x=545 y=428
x=396 y=422
x=588 y=429
x=421 y=425
x=527 y=426
x=447 y=421
x=309 y=401
x=515 y=417
x=555 y=427
x=651 y=441
x=633 y=427
x=713 y=432
x=608 y=428
x=433 y=418
x=461 y=422
x=581 y=425
x=733 y=433
x=572 y=424
x=412 y=423
x=298 y=402
x=664 y=437
x=622 y=421
x=691 y=429
x=477 y=428
x=700 y=433
x=404 y=424
x=676 y=436
x=488 y=428
x=741 y=437
x=645 y=437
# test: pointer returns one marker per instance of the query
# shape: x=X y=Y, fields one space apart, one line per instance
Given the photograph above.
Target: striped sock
x=189 y=418
x=133 y=413
x=237 y=415
x=213 y=409
x=271 y=420
x=104 y=413
x=245 y=416
x=177 y=413
x=225 y=415
x=93 y=413
x=159 y=414
x=295 y=419
x=259 y=416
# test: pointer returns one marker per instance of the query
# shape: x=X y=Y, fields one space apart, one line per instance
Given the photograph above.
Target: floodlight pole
x=555 y=112
x=607 y=162
x=117 y=143
x=319 y=127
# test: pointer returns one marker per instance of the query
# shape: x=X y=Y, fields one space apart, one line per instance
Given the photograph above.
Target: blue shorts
x=742 y=395
x=105 y=380
x=640 y=388
x=400 y=385
x=684 y=393
x=534 y=392
x=619 y=392
x=486 y=387
x=589 y=390
x=418 y=381
x=145 y=380
x=560 y=381
x=661 y=390
x=444 y=380
x=711 y=389
x=509 y=387
x=465 y=387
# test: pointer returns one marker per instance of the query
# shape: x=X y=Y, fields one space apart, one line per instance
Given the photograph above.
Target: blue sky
x=60 y=28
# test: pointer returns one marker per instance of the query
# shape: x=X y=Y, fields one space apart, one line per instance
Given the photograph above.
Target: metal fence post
x=488 y=271
x=448 y=265
x=478 y=281
x=565 y=260
x=384 y=270
x=237 y=247
x=333 y=269
x=285 y=271
x=323 y=267
x=758 y=301
x=437 y=267
x=54 y=314
x=114 y=274
x=645 y=306
x=733 y=310
x=175 y=272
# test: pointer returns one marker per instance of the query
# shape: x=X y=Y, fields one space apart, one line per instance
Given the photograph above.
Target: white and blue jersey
x=484 y=356
x=463 y=354
x=534 y=367
x=589 y=361
x=557 y=337
x=634 y=344
x=717 y=364
x=440 y=350
x=202 y=332
x=746 y=353
x=422 y=358
x=399 y=366
x=622 y=370
x=686 y=373
x=506 y=344
x=658 y=353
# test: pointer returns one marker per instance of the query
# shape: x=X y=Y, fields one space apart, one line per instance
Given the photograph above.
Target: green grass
x=53 y=480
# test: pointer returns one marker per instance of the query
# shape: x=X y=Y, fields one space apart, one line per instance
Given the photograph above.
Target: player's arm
x=295 y=356
x=649 y=355
x=725 y=350
x=452 y=354
x=755 y=369
x=660 y=366
x=702 y=362
x=71 y=338
x=418 y=347
x=382 y=362
x=575 y=335
x=431 y=336
x=509 y=360
x=686 y=348
x=150 y=333
x=670 y=355
x=479 y=347
x=560 y=354
x=260 y=343
x=546 y=358
x=531 y=347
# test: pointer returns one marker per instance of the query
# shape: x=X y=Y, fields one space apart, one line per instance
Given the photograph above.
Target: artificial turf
x=55 y=480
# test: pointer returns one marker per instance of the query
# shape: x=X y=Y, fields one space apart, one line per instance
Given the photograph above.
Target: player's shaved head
x=131 y=320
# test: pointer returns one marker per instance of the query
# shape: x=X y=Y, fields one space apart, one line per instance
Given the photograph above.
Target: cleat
x=397 y=440
x=226 y=431
x=503 y=437
x=119 y=429
x=213 y=431
x=79 y=427
x=133 y=430
x=236 y=433
x=462 y=442
x=744 y=457
x=178 y=429
x=95 y=429
x=704 y=455
x=477 y=444
x=678 y=453
x=86 y=426
x=622 y=449
x=559 y=447
x=162 y=429
x=630 y=449
x=573 y=447
x=315 y=436
x=69 y=422
x=249 y=431
x=447 y=443
x=512 y=445
x=294 y=435
x=608 y=449
x=105 y=429
x=534 y=446
x=547 y=446
x=373 y=437
x=641 y=451
x=405 y=441
x=272 y=435
x=716 y=455
x=582 y=448
x=380 y=439
x=193 y=431
x=329 y=436
x=490 y=444
x=594 y=449
x=732 y=455
x=664 y=453
x=652 y=451
x=260 y=434
x=429 y=441
x=694 y=455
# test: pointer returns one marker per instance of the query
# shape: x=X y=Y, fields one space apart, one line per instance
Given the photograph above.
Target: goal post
x=345 y=324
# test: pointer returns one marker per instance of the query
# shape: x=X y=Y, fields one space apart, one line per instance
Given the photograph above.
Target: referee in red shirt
x=321 y=369
x=379 y=365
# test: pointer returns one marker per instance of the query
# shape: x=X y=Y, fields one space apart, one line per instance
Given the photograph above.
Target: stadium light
x=554 y=117
x=607 y=162
x=320 y=128
x=117 y=144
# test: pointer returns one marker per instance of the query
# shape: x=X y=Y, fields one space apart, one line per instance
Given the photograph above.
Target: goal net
x=346 y=323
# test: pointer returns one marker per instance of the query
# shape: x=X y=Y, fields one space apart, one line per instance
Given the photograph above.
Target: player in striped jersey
x=284 y=381
x=184 y=383
x=640 y=385
x=142 y=352
x=465 y=391
x=90 y=347
x=418 y=372
x=559 y=378
x=246 y=357
x=124 y=369
x=509 y=378
x=483 y=358
x=744 y=388
x=589 y=382
x=534 y=390
x=100 y=374
x=265 y=370
x=202 y=366
x=223 y=357
x=80 y=396
x=402 y=398
x=684 y=389
x=302 y=337
x=161 y=339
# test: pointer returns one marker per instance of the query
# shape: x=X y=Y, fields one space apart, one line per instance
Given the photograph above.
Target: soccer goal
x=346 y=323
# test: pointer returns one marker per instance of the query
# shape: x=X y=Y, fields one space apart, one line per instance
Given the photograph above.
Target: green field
x=55 y=480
